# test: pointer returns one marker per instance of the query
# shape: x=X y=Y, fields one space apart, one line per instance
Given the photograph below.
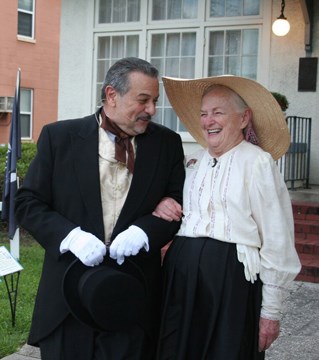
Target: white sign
x=8 y=264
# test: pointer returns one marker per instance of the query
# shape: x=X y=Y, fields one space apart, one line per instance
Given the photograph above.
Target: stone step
x=305 y=207
x=306 y=226
x=307 y=245
x=309 y=217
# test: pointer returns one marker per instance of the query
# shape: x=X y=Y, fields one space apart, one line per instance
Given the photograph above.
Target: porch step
x=306 y=219
x=310 y=268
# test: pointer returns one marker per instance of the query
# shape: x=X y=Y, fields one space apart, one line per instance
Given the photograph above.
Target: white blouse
x=244 y=200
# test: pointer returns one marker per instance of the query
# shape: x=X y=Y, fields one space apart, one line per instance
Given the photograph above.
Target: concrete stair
x=306 y=218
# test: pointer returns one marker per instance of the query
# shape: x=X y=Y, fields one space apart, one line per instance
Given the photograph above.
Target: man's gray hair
x=117 y=75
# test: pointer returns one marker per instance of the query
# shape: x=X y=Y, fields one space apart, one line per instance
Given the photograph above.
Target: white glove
x=249 y=256
x=127 y=243
x=85 y=246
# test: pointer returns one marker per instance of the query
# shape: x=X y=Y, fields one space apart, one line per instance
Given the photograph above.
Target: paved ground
x=299 y=338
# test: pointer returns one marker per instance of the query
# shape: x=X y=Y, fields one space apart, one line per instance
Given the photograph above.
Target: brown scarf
x=123 y=143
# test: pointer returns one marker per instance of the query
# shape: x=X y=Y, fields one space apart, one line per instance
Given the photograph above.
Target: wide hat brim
x=107 y=297
x=268 y=121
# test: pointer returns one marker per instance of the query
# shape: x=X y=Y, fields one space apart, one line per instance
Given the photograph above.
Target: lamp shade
x=280 y=27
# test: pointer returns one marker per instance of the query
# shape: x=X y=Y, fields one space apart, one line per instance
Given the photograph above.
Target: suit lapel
x=86 y=160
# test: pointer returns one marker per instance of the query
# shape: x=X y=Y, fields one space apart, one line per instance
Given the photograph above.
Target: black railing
x=295 y=164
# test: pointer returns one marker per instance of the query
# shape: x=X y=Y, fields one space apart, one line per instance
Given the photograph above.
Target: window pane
x=216 y=43
x=158 y=43
x=172 y=67
x=232 y=65
x=170 y=119
x=181 y=127
x=133 y=10
x=102 y=67
x=118 y=11
x=251 y=7
x=215 y=66
x=228 y=8
x=25 y=100
x=187 y=68
x=157 y=118
x=118 y=47
x=250 y=41
x=173 y=43
x=25 y=125
x=159 y=64
x=105 y=11
x=233 y=8
x=158 y=11
x=25 y=5
x=25 y=112
x=174 y=9
x=233 y=42
x=24 y=24
x=188 y=44
x=190 y=9
x=104 y=48
x=249 y=67
x=132 y=45
x=217 y=8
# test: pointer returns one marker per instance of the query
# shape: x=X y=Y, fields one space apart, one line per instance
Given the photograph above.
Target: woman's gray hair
x=237 y=99
x=117 y=75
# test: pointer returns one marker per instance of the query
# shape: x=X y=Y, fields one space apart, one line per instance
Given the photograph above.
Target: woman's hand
x=268 y=332
x=168 y=209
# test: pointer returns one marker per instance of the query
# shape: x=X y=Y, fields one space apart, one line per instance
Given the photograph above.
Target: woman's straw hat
x=268 y=121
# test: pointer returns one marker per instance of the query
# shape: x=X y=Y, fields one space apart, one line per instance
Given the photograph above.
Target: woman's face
x=222 y=121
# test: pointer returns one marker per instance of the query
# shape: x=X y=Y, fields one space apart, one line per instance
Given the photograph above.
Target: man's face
x=133 y=111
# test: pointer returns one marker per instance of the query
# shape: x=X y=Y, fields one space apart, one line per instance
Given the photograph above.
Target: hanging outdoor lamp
x=281 y=26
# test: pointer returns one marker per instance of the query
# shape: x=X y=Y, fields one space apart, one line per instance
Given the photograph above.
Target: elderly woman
x=229 y=267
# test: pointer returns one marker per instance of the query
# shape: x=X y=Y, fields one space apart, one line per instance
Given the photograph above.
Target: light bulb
x=281 y=27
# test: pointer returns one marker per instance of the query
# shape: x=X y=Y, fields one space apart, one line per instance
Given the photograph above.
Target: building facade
x=189 y=38
x=29 y=38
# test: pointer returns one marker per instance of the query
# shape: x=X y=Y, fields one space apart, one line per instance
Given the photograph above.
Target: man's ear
x=246 y=118
x=110 y=95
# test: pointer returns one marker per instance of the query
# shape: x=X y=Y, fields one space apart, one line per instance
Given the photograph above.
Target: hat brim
x=107 y=297
x=269 y=122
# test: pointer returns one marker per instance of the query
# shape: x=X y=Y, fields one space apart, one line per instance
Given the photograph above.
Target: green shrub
x=282 y=100
x=28 y=151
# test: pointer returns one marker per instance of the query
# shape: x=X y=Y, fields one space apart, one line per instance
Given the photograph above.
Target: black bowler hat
x=107 y=297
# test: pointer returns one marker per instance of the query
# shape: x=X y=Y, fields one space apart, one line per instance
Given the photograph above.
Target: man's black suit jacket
x=62 y=191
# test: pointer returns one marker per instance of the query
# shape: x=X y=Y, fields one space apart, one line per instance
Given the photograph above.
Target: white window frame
x=197 y=66
x=32 y=13
x=96 y=97
x=226 y=28
x=146 y=27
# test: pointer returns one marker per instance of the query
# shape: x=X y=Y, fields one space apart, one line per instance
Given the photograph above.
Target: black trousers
x=75 y=341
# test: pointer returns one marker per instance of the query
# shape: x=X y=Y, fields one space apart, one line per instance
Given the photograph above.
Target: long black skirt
x=210 y=311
